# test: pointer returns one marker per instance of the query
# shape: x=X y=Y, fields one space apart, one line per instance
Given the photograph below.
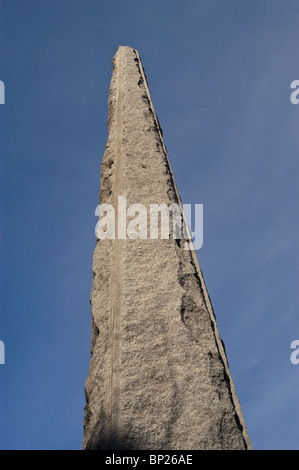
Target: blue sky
x=219 y=74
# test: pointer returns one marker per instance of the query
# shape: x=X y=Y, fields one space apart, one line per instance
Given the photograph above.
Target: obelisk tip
x=125 y=48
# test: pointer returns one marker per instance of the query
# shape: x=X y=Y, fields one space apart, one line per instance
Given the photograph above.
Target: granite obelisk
x=158 y=375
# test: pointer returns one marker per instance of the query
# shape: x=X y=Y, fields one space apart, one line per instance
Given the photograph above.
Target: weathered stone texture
x=158 y=376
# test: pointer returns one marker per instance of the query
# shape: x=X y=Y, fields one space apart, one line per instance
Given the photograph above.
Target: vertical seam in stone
x=115 y=313
x=196 y=264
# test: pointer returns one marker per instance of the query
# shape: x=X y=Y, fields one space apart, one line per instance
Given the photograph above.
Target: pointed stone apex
x=125 y=48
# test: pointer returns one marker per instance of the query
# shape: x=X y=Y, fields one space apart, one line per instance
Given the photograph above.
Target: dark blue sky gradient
x=219 y=74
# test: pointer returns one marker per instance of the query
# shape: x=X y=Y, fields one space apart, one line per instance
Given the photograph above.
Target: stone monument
x=158 y=375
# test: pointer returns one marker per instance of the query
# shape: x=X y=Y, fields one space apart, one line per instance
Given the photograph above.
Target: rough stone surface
x=158 y=376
